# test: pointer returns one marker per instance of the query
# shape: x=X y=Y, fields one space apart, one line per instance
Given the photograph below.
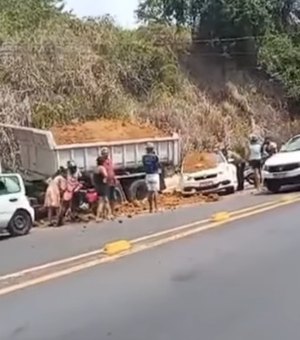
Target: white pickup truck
x=283 y=168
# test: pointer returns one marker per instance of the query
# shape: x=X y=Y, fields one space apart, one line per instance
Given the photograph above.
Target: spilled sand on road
x=167 y=201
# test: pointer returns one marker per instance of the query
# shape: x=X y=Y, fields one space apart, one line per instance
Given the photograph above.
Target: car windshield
x=292 y=145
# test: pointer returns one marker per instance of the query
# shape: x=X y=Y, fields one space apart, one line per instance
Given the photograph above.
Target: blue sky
x=121 y=10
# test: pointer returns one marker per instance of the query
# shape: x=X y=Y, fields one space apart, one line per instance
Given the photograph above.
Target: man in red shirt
x=111 y=178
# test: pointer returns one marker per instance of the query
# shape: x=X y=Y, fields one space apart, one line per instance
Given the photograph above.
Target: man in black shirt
x=152 y=168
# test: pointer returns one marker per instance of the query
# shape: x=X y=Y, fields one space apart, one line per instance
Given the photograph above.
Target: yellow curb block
x=117 y=247
x=221 y=216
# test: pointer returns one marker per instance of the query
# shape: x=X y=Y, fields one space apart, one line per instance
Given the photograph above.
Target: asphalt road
x=240 y=281
x=50 y=244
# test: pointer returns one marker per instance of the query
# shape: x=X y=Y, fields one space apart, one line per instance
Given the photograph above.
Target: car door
x=11 y=196
x=230 y=170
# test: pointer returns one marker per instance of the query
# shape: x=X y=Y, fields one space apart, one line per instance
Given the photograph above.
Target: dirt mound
x=169 y=201
x=197 y=161
x=103 y=130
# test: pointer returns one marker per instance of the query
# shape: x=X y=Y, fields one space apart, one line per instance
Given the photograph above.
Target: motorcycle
x=249 y=175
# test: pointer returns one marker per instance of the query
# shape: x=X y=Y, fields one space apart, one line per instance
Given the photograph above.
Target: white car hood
x=283 y=158
x=206 y=172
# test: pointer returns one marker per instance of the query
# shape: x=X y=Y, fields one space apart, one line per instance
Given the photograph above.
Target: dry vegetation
x=70 y=69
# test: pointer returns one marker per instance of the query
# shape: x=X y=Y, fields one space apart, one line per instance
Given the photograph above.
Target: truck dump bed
x=41 y=155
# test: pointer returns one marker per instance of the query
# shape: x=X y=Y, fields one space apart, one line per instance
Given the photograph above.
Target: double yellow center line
x=32 y=276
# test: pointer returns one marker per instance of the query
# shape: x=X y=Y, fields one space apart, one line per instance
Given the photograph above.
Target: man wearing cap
x=111 y=178
x=152 y=167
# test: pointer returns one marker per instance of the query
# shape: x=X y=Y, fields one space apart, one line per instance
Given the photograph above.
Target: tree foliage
x=56 y=68
x=280 y=54
x=273 y=24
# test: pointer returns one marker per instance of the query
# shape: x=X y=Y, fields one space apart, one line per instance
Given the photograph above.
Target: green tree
x=274 y=24
x=164 y=11
x=220 y=18
x=280 y=55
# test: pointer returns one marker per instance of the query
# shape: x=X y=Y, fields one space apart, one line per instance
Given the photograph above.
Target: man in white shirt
x=255 y=159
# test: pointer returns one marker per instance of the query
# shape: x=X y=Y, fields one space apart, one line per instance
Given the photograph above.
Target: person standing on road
x=255 y=159
x=152 y=168
x=111 y=179
x=269 y=148
x=240 y=164
x=102 y=188
x=56 y=187
x=72 y=187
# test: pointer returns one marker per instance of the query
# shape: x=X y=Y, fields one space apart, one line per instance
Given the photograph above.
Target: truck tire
x=273 y=187
x=20 y=224
x=137 y=190
x=119 y=195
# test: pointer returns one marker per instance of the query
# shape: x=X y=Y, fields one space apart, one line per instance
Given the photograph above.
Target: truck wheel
x=119 y=196
x=20 y=224
x=273 y=187
x=137 y=190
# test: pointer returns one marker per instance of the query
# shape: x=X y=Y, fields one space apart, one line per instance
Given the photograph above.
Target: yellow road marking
x=193 y=224
x=138 y=248
x=100 y=251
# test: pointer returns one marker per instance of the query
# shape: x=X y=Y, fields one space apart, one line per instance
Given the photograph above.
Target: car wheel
x=273 y=187
x=20 y=224
x=229 y=191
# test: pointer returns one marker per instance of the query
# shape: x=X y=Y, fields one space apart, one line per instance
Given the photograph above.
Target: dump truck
x=41 y=156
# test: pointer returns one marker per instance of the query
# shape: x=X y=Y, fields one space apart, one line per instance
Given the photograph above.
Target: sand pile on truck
x=104 y=130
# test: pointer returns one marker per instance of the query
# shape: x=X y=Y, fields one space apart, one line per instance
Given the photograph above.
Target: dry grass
x=69 y=69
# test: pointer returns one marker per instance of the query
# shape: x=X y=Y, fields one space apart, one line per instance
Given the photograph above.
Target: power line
x=248 y=37
x=243 y=38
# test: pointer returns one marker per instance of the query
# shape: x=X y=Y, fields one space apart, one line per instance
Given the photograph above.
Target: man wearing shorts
x=101 y=186
x=152 y=167
x=255 y=159
x=111 y=178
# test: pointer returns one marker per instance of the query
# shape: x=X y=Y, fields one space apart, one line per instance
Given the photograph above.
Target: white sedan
x=221 y=178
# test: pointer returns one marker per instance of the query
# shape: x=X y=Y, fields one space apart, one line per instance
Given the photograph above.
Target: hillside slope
x=68 y=69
